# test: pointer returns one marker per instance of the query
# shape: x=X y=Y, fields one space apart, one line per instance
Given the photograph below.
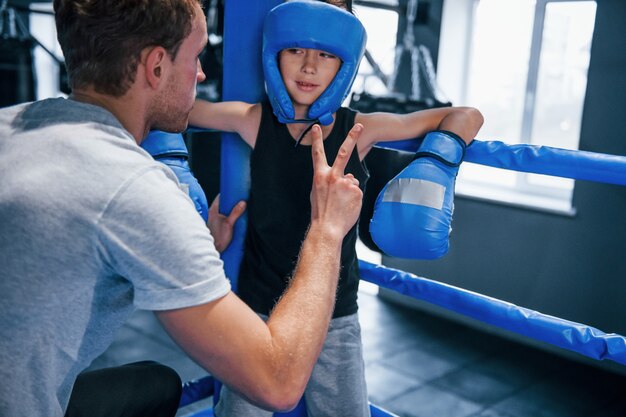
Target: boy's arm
x=228 y=116
x=384 y=127
x=270 y=364
x=221 y=225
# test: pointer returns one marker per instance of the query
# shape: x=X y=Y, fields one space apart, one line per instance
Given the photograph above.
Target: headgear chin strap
x=312 y=24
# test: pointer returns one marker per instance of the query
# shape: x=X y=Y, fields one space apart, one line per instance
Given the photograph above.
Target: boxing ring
x=576 y=337
x=243 y=80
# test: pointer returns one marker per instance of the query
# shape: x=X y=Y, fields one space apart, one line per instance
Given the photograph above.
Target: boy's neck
x=296 y=129
x=300 y=110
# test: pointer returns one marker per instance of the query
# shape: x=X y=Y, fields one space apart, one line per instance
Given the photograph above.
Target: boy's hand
x=336 y=197
x=221 y=226
x=413 y=213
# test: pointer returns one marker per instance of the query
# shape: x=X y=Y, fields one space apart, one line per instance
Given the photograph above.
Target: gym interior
x=544 y=73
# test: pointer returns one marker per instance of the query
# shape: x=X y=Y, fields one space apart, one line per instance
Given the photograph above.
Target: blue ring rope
x=565 y=163
x=576 y=337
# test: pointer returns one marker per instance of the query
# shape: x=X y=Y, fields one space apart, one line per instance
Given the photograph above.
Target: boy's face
x=307 y=73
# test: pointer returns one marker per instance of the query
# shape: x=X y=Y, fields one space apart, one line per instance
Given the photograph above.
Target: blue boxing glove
x=413 y=213
x=170 y=149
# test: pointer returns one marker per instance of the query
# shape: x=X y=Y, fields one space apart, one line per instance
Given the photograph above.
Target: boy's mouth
x=305 y=86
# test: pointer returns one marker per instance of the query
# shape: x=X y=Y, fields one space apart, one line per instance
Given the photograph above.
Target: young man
x=93 y=227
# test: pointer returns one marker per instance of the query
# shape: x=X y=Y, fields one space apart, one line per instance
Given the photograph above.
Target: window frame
x=522 y=193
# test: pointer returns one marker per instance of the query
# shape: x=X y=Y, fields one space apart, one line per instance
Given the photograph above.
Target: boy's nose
x=309 y=64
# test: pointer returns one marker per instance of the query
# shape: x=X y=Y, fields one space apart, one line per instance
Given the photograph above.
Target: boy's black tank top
x=279 y=213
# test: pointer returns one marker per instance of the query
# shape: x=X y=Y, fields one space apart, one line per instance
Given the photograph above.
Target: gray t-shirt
x=91 y=227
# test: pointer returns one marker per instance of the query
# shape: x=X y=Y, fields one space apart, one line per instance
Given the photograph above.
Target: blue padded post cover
x=312 y=24
x=243 y=81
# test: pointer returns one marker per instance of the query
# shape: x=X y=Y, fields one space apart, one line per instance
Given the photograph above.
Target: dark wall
x=17 y=74
x=426 y=28
x=427 y=24
x=574 y=268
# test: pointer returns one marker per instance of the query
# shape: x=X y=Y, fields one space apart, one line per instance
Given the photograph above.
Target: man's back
x=74 y=186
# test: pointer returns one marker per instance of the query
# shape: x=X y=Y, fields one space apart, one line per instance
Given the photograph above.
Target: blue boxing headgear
x=311 y=24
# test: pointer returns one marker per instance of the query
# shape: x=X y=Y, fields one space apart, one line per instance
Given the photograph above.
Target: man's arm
x=270 y=363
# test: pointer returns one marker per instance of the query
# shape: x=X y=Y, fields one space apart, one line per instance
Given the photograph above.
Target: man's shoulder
x=10 y=113
x=61 y=112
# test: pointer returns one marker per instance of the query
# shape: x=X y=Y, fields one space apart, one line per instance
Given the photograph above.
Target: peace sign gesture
x=335 y=197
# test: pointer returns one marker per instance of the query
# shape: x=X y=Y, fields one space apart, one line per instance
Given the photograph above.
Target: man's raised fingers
x=317 y=148
x=346 y=148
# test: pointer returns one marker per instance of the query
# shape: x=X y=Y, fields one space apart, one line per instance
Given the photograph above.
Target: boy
x=306 y=85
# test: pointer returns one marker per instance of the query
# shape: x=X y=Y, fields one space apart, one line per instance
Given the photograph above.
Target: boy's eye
x=327 y=55
x=295 y=51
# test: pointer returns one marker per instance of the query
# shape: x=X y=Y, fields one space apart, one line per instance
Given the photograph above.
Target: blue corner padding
x=566 y=334
x=243 y=81
x=376 y=411
x=204 y=413
x=197 y=390
x=578 y=165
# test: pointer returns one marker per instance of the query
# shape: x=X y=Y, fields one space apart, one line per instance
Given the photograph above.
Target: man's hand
x=335 y=197
x=221 y=226
x=271 y=363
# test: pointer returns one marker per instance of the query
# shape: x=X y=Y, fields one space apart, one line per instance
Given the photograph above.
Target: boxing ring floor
x=434 y=367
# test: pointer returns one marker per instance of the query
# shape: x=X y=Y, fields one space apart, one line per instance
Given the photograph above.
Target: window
x=524 y=64
x=381 y=23
x=47 y=68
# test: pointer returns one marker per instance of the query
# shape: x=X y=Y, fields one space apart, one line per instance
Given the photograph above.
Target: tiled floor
x=419 y=365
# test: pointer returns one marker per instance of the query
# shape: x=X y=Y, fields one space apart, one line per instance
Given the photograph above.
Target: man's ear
x=155 y=60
